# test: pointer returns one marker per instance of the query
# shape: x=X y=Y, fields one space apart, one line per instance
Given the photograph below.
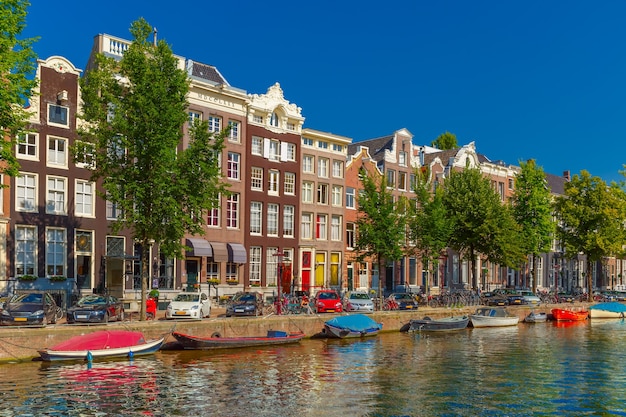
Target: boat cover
x=354 y=322
x=104 y=339
x=613 y=307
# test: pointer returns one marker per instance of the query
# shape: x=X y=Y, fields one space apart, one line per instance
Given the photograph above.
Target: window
x=272 y=149
x=307 y=142
x=232 y=272
x=84 y=198
x=289 y=185
x=391 y=178
x=271 y=261
x=274 y=119
x=321 y=227
x=402 y=181
x=272 y=219
x=412 y=182
x=25 y=250
x=26 y=192
x=291 y=126
x=215 y=124
x=501 y=190
x=288 y=221
x=307 y=223
x=27 y=145
x=233 y=165
x=511 y=183
x=84 y=157
x=255 y=264
x=290 y=152
x=350 y=235
x=233 y=136
x=350 y=197
x=402 y=158
x=55 y=203
x=337 y=169
x=322 y=193
x=193 y=116
x=335 y=228
x=213 y=217
x=307 y=192
x=272 y=187
x=256 y=212
x=55 y=252
x=257 y=119
x=57 y=151
x=256 y=179
x=212 y=271
x=337 y=148
x=232 y=211
x=257 y=145
x=337 y=191
x=113 y=211
x=322 y=167
x=58 y=115
x=322 y=145
x=307 y=164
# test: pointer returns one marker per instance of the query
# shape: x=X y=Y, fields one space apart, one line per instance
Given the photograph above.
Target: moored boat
x=351 y=326
x=561 y=314
x=493 y=317
x=102 y=344
x=610 y=310
x=534 y=317
x=445 y=324
x=272 y=338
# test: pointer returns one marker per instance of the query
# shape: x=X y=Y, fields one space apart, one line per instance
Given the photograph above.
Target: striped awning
x=199 y=247
x=220 y=252
x=237 y=253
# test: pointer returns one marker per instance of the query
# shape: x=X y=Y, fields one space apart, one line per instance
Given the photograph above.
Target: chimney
x=566 y=175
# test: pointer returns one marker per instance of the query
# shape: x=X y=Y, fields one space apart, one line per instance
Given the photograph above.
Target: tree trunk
x=534 y=274
x=145 y=271
x=589 y=281
x=381 y=275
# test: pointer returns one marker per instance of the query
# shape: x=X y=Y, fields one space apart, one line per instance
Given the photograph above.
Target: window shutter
x=266 y=148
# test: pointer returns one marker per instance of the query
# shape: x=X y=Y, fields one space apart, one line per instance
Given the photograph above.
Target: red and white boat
x=561 y=314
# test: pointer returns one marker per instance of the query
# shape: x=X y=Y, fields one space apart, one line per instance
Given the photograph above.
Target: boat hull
x=493 y=317
x=49 y=355
x=205 y=343
x=352 y=326
x=597 y=313
x=446 y=324
x=560 y=314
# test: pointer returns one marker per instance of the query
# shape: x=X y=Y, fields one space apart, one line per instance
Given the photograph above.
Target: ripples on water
x=540 y=369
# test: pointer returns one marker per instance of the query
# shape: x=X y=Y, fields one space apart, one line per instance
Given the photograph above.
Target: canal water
x=543 y=369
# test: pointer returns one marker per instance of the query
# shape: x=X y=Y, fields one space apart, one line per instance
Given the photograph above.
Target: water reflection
x=532 y=369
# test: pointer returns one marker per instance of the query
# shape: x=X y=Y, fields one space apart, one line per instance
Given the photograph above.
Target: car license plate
x=81 y=316
x=409 y=307
x=239 y=310
x=180 y=313
x=20 y=319
x=330 y=310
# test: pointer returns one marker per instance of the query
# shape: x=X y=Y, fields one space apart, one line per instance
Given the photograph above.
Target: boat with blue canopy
x=609 y=310
x=352 y=326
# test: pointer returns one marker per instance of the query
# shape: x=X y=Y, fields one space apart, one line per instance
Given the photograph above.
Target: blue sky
x=523 y=79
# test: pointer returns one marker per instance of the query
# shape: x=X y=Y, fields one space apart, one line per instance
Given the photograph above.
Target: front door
x=191 y=265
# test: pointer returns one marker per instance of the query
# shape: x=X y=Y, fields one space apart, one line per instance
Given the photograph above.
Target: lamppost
x=279 y=264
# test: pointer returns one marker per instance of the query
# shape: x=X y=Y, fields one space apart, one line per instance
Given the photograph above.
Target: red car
x=328 y=301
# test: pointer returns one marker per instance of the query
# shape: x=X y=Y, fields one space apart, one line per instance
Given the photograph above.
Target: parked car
x=95 y=308
x=513 y=297
x=189 y=305
x=494 y=299
x=328 y=301
x=245 y=304
x=405 y=301
x=359 y=301
x=530 y=298
x=566 y=298
x=33 y=308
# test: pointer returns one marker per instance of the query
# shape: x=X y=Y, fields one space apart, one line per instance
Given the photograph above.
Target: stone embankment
x=18 y=344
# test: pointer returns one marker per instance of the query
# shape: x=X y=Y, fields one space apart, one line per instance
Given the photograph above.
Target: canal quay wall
x=19 y=344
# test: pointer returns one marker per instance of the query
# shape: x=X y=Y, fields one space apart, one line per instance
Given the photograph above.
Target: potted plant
x=27 y=278
x=213 y=281
x=232 y=281
x=58 y=278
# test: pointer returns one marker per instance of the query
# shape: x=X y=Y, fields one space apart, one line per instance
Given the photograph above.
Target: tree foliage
x=380 y=225
x=591 y=219
x=135 y=110
x=429 y=225
x=482 y=224
x=533 y=211
x=445 y=141
x=17 y=65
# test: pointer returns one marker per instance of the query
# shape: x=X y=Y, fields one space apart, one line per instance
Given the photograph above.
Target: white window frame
x=232 y=211
x=350 y=234
x=335 y=228
x=322 y=194
x=306 y=223
x=256 y=218
x=27 y=146
x=26 y=195
x=323 y=165
x=307 y=192
x=67 y=115
x=215 y=123
x=233 y=166
x=307 y=142
x=272 y=219
x=192 y=116
x=213 y=217
x=256 y=179
x=235 y=128
x=84 y=198
x=321 y=227
x=56 y=195
x=212 y=270
x=256 y=145
x=55 y=156
x=289 y=183
x=255 y=264
x=350 y=197
x=336 y=195
x=273 y=182
x=56 y=251
x=308 y=164
x=25 y=250
x=337 y=169
x=289 y=221
x=271 y=263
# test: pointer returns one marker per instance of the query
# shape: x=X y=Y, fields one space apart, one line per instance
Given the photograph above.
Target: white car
x=359 y=301
x=530 y=298
x=189 y=305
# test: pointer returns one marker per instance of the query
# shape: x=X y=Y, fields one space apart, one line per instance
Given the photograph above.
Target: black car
x=96 y=309
x=513 y=298
x=33 y=308
x=405 y=301
x=245 y=304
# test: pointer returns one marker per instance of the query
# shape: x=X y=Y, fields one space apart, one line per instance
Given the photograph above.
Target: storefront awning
x=199 y=247
x=237 y=253
x=220 y=252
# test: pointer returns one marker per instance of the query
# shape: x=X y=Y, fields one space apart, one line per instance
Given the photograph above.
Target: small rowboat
x=561 y=314
x=102 y=344
x=493 y=317
x=536 y=317
x=272 y=338
x=352 y=326
x=445 y=324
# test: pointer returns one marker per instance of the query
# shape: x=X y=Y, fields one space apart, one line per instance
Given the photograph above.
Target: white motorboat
x=493 y=317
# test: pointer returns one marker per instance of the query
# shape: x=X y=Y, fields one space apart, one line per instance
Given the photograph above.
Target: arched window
x=274 y=119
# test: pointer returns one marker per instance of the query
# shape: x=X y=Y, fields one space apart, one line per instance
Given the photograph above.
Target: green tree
x=429 y=225
x=445 y=141
x=17 y=65
x=482 y=223
x=135 y=110
x=591 y=218
x=532 y=210
x=380 y=226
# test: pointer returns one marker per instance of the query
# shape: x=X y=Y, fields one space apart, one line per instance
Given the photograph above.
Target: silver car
x=359 y=301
